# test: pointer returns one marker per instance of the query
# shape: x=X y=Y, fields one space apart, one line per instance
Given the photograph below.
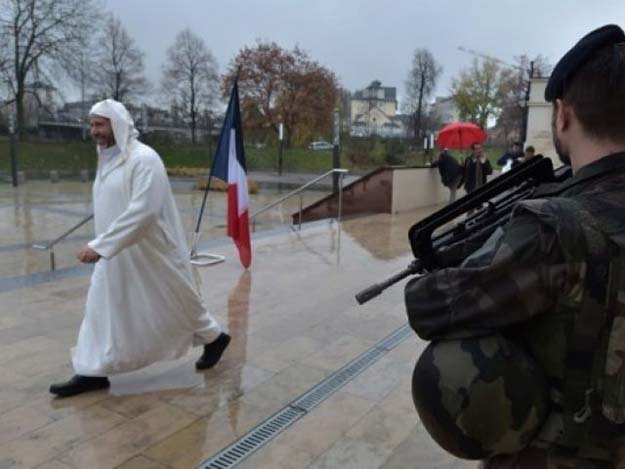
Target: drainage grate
x=278 y=422
x=395 y=338
x=336 y=380
x=254 y=439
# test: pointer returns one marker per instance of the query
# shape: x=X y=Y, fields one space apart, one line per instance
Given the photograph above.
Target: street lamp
x=527 y=102
x=336 y=154
x=13 y=149
x=281 y=147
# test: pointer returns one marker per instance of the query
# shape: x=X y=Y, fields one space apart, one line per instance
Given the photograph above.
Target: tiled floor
x=294 y=321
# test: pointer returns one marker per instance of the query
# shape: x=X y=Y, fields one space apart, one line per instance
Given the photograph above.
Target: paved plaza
x=293 y=319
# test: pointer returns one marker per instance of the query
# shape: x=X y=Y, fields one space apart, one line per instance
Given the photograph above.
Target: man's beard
x=562 y=153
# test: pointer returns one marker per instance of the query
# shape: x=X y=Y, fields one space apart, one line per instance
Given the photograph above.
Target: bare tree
x=5 y=64
x=190 y=78
x=119 y=64
x=36 y=36
x=513 y=118
x=81 y=67
x=424 y=73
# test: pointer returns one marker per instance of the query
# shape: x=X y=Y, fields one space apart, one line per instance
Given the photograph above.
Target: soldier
x=543 y=297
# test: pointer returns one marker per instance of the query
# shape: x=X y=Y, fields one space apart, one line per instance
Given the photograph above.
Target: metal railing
x=341 y=172
x=50 y=246
x=209 y=259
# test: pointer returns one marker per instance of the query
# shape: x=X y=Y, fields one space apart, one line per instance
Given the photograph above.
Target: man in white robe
x=143 y=305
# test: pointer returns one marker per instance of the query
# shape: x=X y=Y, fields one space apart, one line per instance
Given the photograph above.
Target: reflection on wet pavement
x=40 y=211
x=293 y=319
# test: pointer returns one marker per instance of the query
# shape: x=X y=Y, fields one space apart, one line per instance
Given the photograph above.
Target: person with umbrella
x=461 y=135
x=476 y=169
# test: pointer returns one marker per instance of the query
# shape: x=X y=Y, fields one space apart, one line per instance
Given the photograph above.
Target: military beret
x=580 y=53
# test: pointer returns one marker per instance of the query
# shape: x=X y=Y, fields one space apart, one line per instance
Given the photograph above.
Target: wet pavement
x=39 y=211
x=293 y=319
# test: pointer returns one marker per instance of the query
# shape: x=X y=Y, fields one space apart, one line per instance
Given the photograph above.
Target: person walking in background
x=476 y=169
x=529 y=153
x=512 y=157
x=450 y=171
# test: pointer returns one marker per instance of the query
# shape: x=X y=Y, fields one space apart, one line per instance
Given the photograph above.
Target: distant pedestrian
x=529 y=153
x=476 y=169
x=450 y=171
x=512 y=157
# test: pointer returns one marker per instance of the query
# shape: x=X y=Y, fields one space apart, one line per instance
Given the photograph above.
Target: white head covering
x=121 y=122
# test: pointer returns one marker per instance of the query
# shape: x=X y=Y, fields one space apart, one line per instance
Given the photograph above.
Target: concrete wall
x=539 y=121
x=371 y=193
x=385 y=190
x=415 y=188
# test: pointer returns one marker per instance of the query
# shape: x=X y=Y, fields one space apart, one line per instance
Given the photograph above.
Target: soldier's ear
x=564 y=115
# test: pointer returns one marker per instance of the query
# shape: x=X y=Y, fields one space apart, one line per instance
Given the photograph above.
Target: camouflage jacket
x=528 y=277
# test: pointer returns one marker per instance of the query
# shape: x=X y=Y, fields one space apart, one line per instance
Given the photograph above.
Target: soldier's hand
x=86 y=255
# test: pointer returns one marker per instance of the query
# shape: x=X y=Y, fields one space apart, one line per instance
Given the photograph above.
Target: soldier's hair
x=597 y=93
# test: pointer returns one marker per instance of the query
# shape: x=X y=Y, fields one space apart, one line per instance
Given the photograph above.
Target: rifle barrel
x=377 y=288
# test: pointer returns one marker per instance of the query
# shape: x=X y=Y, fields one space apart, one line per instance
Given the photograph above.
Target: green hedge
x=358 y=155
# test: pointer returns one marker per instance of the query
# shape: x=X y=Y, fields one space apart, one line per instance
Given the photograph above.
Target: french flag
x=229 y=166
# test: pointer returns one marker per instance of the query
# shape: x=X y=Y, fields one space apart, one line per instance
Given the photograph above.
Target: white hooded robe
x=143 y=305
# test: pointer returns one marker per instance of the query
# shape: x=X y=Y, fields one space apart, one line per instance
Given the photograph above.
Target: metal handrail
x=213 y=257
x=50 y=246
x=340 y=171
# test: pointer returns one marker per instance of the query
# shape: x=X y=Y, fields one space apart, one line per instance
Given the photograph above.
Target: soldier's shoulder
x=540 y=206
x=552 y=211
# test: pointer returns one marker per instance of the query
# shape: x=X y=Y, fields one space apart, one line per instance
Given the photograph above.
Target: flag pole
x=203 y=259
x=196 y=235
x=206 y=259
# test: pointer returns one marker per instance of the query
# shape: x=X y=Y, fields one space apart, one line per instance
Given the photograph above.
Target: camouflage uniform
x=530 y=280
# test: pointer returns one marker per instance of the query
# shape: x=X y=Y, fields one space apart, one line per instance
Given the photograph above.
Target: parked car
x=320 y=145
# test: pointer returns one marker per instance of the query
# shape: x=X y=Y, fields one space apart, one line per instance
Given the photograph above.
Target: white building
x=539 y=121
x=374 y=112
x=445 y=110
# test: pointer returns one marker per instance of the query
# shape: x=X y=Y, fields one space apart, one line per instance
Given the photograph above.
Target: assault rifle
x=484 y=210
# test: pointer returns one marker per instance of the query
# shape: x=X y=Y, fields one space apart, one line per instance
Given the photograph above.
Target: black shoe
x=79 y=384
x=213 y=352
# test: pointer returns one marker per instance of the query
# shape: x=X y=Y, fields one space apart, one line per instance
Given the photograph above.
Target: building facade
x=444 y=110
x=373 y=111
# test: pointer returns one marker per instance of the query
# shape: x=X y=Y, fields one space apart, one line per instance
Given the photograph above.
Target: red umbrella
x=460 y=135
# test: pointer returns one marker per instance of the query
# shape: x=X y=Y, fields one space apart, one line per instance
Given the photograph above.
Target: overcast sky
x=363 y=40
